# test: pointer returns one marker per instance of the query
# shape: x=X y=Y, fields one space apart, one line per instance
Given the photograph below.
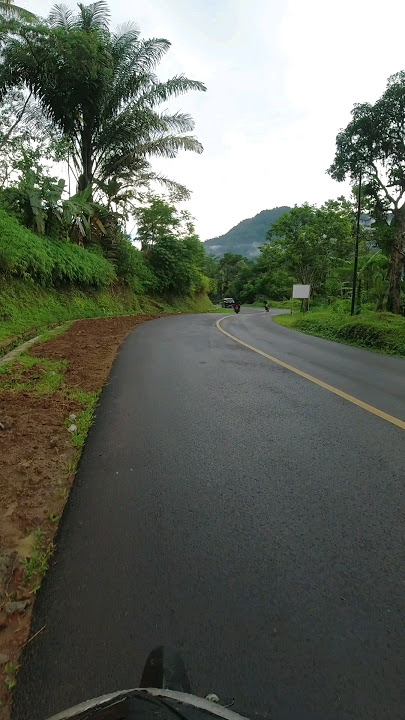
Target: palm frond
x=61 y=16
x=169 y=146
x=178 y=122
x=134 y=65
x=125 y=32
x=8 y=8
x=163 y=91
x=95 y=16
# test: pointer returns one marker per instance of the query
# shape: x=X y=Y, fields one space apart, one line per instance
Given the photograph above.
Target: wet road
x=241 y=513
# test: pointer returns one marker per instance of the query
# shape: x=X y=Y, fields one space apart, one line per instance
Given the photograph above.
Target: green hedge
x=49 y=262
x=382 y=332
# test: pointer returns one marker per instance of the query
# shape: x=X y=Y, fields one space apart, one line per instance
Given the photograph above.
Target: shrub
x=377 y=331
x=133 y=268
x=48 y=262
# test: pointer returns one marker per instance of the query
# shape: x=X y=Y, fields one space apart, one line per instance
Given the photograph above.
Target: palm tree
x=100 y=91
x=8 y=8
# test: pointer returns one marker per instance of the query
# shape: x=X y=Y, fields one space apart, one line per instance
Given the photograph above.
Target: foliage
x=132 y=266
x=155 y=221
x=382 y=332
x=307 y=241
x=100 y=91
x=172 y=248
x=372 y=145
x=247 y=236
x=9 y=9
x=49 y=262
x=36 y=566
x=173 y=262
x=28 y=308
x=26 y=138
x=306 y=244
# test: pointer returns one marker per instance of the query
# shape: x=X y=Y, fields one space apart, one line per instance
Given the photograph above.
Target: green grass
x=36 y=566
x=10 y=671
x=46 y=377
x=27 y=255
x=84 y=417
x=27 y=309
x=380 y=332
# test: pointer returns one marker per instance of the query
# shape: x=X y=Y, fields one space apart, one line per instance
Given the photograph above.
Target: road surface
x=231 y=508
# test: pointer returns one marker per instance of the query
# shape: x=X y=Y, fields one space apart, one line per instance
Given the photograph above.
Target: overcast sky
x=282 y=77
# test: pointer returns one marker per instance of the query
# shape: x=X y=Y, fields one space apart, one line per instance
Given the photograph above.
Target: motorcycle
x=164 y=693
x=236 y=307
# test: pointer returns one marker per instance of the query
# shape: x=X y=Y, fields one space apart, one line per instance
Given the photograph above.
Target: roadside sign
x=301 y=292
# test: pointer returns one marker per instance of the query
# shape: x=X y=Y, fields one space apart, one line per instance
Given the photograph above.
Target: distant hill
x=246 y=237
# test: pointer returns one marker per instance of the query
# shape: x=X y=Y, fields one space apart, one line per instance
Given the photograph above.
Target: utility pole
x=356 y=250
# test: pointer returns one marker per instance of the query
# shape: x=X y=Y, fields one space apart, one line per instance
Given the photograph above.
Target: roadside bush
x=133 y=268
x=377 y=331
x=48 y=262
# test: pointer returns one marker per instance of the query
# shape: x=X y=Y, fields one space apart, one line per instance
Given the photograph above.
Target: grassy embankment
x=27 y=309
x=380 y=332
x=46 y=282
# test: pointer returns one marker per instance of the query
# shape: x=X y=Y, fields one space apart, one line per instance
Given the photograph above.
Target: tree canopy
x=100 y=91
x=373 y=145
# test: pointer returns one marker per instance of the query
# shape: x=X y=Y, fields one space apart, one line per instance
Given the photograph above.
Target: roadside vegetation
x=108 y=235
x=381 y=332
x=315 y=245
x=88 y=229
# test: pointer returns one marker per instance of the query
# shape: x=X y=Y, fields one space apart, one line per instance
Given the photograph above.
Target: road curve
x=232 y=509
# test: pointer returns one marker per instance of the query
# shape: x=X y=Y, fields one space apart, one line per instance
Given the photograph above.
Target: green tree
x=9 y=9
x=228 y=269
x=307 y=241
x=100 y=91
x=172 y=247
x=155 y=221
x=373 y=144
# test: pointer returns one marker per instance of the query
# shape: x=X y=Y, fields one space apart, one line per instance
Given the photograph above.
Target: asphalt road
x=241 y=513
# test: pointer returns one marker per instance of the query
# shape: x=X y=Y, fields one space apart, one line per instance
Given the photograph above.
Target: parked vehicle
x=228 y=302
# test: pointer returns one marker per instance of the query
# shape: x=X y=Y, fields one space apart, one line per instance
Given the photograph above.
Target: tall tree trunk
x=396 y=265
x=86 y=176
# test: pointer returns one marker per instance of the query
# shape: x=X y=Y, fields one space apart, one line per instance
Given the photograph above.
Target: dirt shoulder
x=47 y=399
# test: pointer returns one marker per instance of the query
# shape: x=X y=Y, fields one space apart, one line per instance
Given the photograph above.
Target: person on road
x=266 y=307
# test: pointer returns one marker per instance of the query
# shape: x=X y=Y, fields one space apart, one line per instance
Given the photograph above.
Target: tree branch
x=382 y=186
x=14 y=125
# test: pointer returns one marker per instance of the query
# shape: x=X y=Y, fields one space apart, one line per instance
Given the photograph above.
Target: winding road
x=235 y=509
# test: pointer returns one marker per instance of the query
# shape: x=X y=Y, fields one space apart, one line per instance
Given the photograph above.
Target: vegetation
x=100 y=91
x=382 y=332
x=313 y=246
x=247 y=236
x=49 y=262
x=28 y=309
x=372 y=145
x=36 y=565
x=74 y=91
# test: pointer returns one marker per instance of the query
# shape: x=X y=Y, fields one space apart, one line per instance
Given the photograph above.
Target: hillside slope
x=246 y=237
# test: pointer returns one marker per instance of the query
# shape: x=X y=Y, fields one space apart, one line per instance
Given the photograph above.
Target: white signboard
x=301 y=292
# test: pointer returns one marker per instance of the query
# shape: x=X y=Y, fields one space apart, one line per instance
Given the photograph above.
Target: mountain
x=246 y=237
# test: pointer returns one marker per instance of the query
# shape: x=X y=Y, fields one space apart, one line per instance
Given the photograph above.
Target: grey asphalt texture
x=240 y=513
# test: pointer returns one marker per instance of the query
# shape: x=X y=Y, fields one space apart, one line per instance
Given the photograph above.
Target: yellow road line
x=370 y=408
